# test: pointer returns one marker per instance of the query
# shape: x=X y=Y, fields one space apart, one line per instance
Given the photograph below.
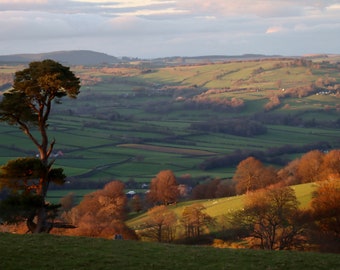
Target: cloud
x=23 y=2
x=275 y=29
x=130 y=4
x=152 y=12
x=168 y=27
x=262 y=8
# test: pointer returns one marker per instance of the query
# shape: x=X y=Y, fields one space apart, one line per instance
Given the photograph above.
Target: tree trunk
x=30 y=224
x=41 y=220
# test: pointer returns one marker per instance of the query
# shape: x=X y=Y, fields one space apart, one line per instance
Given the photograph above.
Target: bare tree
x=270 y=216
x=160 y=224
x=195 y=220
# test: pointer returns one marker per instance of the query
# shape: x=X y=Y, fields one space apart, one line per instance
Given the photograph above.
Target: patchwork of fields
x=130 y=124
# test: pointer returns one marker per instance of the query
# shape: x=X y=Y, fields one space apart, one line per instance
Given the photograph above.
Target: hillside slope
x=219 y=207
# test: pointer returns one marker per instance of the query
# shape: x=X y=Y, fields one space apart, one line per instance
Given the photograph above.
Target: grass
x=91 y=129
x=54 y=196
x=41 y=252
x=164 y=149
x=220 y=207
x=237 y=74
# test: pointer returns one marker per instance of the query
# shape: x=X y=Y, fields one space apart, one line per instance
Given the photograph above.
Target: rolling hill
x=132 y=120
x=81 y=57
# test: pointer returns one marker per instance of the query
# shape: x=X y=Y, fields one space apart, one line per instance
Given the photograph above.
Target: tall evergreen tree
x=28 y=105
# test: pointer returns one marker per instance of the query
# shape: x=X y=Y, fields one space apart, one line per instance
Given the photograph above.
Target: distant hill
x=92 y=58
x=81 y=57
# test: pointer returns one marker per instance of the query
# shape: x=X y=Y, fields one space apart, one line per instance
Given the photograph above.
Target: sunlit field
x=221 y=208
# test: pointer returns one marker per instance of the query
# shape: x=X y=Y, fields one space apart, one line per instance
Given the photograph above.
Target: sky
x=165 y=28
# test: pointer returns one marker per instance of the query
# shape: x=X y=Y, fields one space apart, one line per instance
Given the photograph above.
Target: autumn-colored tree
x=269 y=216
x=28 y=105
x=184 y=190
x=160 y=224
x=101 y=213
x=287 y=175
x=195 y=220
x=136 y=203
x=326 y=206
x=309 y=167
x=164 y=188
x=330 y=168
x=251 y=174
x=206 y=190
x=67 y=202
x=225 y=188
x=215 y=188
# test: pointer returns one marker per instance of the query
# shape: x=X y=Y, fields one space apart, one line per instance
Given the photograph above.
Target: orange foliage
x=164 y=188
x=309 y=167
x=101 y=213
x=251 y=175
x=326 y=206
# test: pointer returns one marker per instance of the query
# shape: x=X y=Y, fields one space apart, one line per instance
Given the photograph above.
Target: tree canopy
x=28 y=104
x=251 y=174
x=326 y=206
x=164 y=188
x=101 y=213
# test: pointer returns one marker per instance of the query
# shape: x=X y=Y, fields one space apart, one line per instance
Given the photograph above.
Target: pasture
x=129 y=124
x=220 y=208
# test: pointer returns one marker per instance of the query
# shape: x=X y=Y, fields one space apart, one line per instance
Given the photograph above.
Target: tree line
x=238 y=127
x=271 y=155
x=270 y=218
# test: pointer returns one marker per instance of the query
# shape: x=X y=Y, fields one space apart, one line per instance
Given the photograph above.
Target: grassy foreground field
x=59 y=252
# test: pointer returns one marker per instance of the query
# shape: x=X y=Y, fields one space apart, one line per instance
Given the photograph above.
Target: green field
x=41 y=252
x=128 y=124
x=221 y=207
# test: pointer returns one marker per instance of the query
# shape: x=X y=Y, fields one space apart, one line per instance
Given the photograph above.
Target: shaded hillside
x=82 y=57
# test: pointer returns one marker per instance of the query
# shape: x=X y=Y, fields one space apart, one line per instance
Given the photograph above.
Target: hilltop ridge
x=79 y=57
x=93 y=58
